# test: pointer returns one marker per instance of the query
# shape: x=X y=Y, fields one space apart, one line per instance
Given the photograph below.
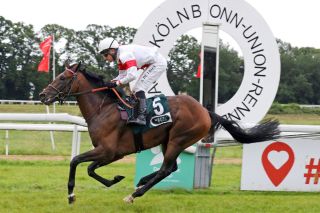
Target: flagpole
x=53 y=60
x=53 y=68
x=53 y=77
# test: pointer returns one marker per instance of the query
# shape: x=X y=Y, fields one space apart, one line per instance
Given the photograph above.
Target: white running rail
x=77 y=125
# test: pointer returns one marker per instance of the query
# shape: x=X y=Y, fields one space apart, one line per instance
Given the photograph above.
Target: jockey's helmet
x=106 y=44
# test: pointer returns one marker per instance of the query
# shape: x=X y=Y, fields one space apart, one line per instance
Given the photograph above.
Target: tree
x=83 y=45
x=17 y=58
x=299 y=75
x=230 y=72
x=20 y=56
x=182 y=66
x=183 y=63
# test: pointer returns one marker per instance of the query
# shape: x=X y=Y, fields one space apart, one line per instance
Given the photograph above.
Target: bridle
x=61 y=94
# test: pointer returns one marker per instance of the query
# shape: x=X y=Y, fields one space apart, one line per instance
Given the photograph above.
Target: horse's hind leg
x=91 y=155
x=93 y=166
x=166 y=169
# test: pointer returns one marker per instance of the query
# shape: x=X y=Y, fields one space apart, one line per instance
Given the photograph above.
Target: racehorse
x=112 y=139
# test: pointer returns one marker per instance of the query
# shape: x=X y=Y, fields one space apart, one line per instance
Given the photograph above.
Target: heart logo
x=277 y=160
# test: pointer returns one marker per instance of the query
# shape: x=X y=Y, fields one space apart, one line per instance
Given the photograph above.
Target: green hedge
x=292 y=108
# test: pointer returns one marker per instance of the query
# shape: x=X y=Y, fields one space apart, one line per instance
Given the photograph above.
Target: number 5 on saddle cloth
x=158 y=113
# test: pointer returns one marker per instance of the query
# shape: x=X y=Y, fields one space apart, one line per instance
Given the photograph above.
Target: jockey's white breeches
x=150 y=75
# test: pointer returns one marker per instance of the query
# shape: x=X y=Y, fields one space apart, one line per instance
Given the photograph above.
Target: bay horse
x=112 y=139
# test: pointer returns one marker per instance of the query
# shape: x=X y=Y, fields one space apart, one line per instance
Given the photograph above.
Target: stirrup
x=138 y=121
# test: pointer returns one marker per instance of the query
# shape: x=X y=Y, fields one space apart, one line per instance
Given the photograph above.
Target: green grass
x=229 y=152
x=41 y=187
x=38 y=108
x=298 y=119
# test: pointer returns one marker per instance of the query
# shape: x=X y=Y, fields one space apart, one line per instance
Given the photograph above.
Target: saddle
x=158 y=112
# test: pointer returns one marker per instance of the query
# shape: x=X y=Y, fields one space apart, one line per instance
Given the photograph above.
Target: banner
x=291 y=164
x=149 y=161
x=45 y=47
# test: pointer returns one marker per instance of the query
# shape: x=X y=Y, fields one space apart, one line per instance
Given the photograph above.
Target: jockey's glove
x=110 y=84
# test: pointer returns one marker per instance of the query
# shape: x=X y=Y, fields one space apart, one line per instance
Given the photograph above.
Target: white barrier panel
x=191 y=149
x=283 y=165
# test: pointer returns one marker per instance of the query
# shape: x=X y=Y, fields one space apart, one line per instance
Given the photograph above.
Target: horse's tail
x=268 y=130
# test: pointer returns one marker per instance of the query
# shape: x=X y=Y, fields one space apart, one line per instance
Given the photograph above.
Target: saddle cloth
x=158 y=113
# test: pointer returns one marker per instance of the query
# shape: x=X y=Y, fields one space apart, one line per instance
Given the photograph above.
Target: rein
x=98 y=90
x=102 y=89
x=62 y=96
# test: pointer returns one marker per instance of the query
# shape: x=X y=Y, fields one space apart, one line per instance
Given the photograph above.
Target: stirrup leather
x=141 y=115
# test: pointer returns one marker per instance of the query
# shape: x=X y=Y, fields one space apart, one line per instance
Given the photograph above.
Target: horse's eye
x=62 y=78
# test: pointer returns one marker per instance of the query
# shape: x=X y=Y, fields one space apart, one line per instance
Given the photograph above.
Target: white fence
x=287 y=131
x=77 y=125
x=56 y=117
x=75 y=103
x=32 y=102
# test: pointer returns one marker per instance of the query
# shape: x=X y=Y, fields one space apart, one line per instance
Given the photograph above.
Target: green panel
x=150 y=161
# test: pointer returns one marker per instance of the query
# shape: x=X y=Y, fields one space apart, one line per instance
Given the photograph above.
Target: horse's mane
x=94 y=79
x=97 y=81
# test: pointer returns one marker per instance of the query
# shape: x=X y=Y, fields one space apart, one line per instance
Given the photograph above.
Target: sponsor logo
x=160 y=119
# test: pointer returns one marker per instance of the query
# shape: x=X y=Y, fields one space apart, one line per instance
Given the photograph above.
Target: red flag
x=45 y=47
x=199 y=67
x=199 y=71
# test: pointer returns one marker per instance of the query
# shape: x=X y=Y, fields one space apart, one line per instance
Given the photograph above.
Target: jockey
x=130 y=58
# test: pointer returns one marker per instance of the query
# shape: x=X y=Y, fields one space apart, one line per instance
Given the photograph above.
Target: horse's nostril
x=42 y=95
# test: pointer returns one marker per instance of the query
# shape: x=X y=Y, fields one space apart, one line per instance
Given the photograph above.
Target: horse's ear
x=79 y=66
x=67 y=63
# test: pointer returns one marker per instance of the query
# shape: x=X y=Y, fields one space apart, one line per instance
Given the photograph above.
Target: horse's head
x=62 y=86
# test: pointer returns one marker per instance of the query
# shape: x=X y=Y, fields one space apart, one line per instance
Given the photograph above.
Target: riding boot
x=140 y=119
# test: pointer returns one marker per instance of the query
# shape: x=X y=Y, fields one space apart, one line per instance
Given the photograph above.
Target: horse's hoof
x=71 y=198
x=118 y=178
x=129 y=199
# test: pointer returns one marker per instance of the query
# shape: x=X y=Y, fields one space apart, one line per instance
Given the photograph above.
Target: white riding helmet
x=107 y=43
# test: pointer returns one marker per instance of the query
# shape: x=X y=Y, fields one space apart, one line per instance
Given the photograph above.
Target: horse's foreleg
x=91 y=155
x=91 y=172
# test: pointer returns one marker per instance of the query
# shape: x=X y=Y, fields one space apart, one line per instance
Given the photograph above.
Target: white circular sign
x=237 y=18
